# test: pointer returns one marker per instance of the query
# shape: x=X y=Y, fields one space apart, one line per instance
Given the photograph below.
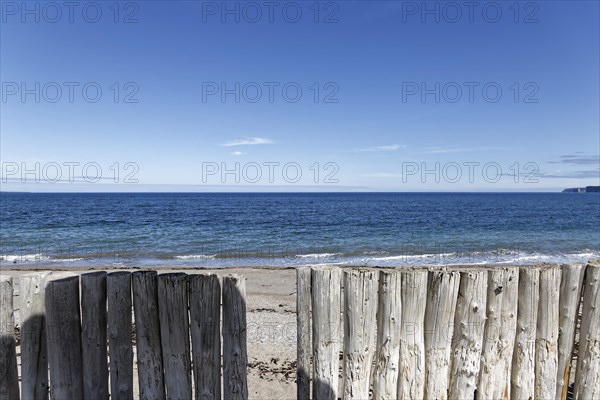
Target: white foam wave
x=24 y=257
x=318 y=255
x=413 y=257
x=196 y=257
x=479 y=258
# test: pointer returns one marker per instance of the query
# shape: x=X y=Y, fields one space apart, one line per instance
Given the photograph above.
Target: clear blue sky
x=367 y=126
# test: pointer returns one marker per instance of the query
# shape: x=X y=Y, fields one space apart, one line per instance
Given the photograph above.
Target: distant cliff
x=587 y=189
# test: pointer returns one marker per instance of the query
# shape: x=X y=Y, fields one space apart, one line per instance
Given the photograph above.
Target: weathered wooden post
x=441 y=300
x=9 y=378
x=500 y=332
x=570 y=296
x=235 y=357
x=93 y=335
x=389 y=313
x=326 y=287
x=469 y=324
x=34 y=353
x=546 y=351
x=411 y=379
x=360 y=311
x=175 y=334
x=523 y=367
x=587 y=375
x=205 y=324
x=304 y=333
x=118 y=293
x=63 y=326
x=147 y=333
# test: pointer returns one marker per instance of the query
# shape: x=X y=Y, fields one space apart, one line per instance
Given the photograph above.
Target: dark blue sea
x=293 y=229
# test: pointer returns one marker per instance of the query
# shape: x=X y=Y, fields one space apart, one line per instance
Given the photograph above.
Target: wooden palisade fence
x=412 y=333
x=448 y=332
x=76 y=336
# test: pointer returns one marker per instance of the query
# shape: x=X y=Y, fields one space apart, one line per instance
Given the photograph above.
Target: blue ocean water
x=283 y=229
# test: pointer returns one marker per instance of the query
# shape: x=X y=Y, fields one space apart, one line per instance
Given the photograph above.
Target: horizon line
x=287 y=192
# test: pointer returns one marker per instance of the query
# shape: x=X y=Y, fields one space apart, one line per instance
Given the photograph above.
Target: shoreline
x=40 y=261
x=12 y=268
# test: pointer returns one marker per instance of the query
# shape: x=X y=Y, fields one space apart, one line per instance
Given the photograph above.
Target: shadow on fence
x=9 y=384
x=77 y=335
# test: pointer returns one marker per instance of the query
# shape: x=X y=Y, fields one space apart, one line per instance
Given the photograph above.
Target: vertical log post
x=439 y=326
x=9 y=377
x=175 y=334
x=570 y=296
x=326 y=331
x=34 y=353
x=500 y=332
x=389 y=312
x=235 y=357
x=93 y=335
x=360 y=304
x=147 y=333
x=523 y=367
x=469 y=324
x=205 y=324
x=546 y=351
x=118 y=294
x=63 y=326
x=304 y=334
x=411 y=379
x=587 y=378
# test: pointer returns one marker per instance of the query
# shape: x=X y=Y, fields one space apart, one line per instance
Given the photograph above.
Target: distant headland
x=587 y=189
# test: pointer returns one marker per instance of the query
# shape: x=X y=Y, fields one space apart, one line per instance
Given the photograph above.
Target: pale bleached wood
x=34 y=353
x=523 y=367
x=175 y=335
x=304 y=333
x=63 y=327
x=389 y=313
x=326 y=284
x=9 y=376
x=235 y=356
x=360 y=311
x=570 y=295
x=119 y=328
x=439 y=326
x=546 y=350
x=93 y=335
x=205 y=325
x=147 y=333
x=500 y=332
x=469 y=324
x=587 y=377
x=411 y=379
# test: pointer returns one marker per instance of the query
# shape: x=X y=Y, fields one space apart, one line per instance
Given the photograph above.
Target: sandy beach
x=271 y=318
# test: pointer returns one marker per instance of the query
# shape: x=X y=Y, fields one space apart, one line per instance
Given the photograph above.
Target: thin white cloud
x=381 y=175
x=391 y=147
x=237 y=153
x=455 y=149
x=247 y=141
